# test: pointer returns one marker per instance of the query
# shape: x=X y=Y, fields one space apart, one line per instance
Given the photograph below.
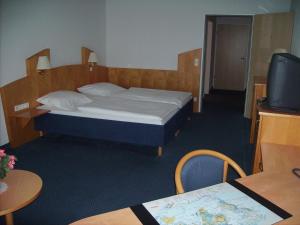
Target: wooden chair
x=202 y=168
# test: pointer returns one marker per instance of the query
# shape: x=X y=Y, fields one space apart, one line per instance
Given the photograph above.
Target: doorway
x=226 y=60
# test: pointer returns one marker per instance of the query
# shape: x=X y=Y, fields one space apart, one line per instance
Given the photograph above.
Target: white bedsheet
x=178 y=98
x=119 y=109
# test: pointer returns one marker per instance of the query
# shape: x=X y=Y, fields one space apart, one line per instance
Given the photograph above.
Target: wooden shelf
x=25 y=116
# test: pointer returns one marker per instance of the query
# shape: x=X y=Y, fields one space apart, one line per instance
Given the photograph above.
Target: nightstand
x=25 y=116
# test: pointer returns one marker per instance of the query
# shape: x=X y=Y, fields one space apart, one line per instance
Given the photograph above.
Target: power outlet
x=22 y=106
x=196 y=62
x=195 y=99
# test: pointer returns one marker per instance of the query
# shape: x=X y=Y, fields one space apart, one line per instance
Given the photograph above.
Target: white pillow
x=100 y=89
x=66 y=100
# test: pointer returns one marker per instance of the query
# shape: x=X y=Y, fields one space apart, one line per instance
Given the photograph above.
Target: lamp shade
x=92 y=58
x=43 y=63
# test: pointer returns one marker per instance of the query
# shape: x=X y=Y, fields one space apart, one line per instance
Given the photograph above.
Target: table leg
x=9 y=219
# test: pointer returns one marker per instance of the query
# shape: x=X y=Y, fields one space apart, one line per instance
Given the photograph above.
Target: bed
x=121 y=117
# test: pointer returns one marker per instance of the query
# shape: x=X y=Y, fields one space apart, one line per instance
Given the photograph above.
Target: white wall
x=28 y=26
x=150 y=34
x=138 y=33
x=295 y=7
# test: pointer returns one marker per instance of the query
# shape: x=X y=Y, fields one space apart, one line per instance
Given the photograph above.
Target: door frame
x=207 y=18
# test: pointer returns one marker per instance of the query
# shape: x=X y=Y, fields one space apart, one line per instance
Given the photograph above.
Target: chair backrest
x=202 y=168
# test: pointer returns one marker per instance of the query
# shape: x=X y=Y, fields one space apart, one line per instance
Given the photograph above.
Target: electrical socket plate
x=21 y=106
x=196 y=62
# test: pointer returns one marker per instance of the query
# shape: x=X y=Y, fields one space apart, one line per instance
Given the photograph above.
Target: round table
x=23 y=188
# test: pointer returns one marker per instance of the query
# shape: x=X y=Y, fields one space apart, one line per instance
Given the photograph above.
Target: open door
x=270 y=31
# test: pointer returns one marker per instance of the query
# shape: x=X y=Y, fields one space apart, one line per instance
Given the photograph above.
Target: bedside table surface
x=30 y=113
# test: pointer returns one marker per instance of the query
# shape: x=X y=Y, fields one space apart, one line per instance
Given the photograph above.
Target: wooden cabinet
x=258 y=93
x=280 y=158
x=275 y=128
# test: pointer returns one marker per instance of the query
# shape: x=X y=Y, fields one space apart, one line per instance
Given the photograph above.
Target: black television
x=283 y=83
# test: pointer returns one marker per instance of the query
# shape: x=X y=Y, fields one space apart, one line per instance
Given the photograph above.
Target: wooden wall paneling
x=31 y=62
x=159 y=79
x=186 y=61
x=61 y=79
x=35 y=85
x=21 y=91
x=172 y=80
x=156 y=79
x=187 y=64
x=147 y=80
x=187 y=78
x=99 y=74
x=44 y=83
x=80 y=74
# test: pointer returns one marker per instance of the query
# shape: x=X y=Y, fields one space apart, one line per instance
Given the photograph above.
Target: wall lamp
x=92 y=60
x=43 y=64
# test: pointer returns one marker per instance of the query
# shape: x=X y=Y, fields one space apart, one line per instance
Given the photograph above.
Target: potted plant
x=7 y=163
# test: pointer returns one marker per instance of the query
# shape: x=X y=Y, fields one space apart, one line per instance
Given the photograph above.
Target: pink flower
x=11 y=164
x=12 y=157
x=12 y=161
x=2 y=153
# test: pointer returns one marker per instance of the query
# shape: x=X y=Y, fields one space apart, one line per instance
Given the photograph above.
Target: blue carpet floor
x=87 y=177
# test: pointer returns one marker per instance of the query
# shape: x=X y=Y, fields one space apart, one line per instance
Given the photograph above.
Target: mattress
x=119 y=109
x=178 y=98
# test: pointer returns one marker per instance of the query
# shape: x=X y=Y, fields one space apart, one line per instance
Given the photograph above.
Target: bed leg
x=177 y=133
x=159 y=151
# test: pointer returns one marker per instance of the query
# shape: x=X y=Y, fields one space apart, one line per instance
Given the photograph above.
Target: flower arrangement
x=7 y=163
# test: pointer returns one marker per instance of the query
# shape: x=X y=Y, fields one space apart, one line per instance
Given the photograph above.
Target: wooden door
x=270 y=32
x=232 y=45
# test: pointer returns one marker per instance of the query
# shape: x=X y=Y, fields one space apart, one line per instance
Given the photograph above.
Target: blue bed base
x=128 y=132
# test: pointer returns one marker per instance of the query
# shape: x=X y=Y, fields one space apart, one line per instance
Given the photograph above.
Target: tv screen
x=283 y=83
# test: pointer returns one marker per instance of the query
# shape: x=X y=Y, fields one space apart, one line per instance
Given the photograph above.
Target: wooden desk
x=23 y=188
x=280 y=188
x=275 y=128
x=258 y=93
x=280 y=158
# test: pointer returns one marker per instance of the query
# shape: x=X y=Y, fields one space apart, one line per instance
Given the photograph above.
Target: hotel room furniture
x=70 y=77
x=259 y=91
x=23 y=188
x=25 y=116
x=281 y=189
x=280 y=158
x=190 y=175
x=111 y=130
x=275 y=128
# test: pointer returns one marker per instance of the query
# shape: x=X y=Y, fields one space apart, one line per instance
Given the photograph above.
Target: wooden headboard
x=185 y=78
x=70 y=77
x=34 y=85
